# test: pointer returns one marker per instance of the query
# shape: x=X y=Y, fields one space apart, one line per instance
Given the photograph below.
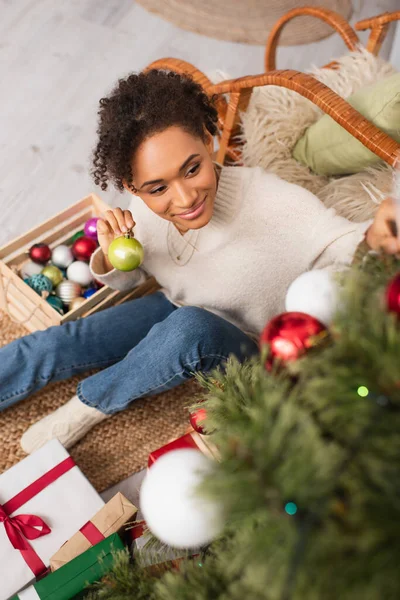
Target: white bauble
x=29 y=268
x=172 y=510
x=79 y=272
x=315 y=293
x=62 y=256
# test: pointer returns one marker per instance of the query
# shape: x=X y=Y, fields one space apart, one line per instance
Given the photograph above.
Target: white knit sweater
x=264 y=233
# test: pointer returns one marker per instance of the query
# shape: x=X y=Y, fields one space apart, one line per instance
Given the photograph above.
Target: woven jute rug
x=247 y=21
x=115 y=448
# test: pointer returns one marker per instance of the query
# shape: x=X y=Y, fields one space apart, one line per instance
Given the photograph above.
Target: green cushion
x=328 y=149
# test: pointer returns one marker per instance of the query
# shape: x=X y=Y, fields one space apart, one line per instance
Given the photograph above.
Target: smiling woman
x=185 y=191
x=224 y=243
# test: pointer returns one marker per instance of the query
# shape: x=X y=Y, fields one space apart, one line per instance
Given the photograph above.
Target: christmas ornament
x=76 y=303
x=125 y=253
x=197 y=417
x=62 y=256
x=89 y=292
x=90 y=228
x=171 y=507
x=79 y=272
x=56 y=303
x=40 y=253
x=289 y=335
x=68 y=290
x=314 y=293
x=98 y=283
x=40 y=283
x=83 y=248
x=77 y=235
x=54 y=274
x=393 y=295
x=29 y=268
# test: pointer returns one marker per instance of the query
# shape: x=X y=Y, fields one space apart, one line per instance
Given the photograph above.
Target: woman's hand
x=115 y=223
x=382 y=234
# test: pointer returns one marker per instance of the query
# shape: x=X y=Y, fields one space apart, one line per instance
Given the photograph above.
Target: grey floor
x=57 y=59
x=130 y=487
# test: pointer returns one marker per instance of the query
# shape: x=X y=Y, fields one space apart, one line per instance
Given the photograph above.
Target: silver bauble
x=68 y=290
x=62 y=256
x=79 y=271
x=29 y=268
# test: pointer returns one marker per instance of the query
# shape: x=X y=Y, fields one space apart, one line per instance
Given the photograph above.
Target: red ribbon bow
x=23 y=527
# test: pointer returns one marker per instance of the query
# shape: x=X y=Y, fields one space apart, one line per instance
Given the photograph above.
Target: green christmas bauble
x=125 y=253
x=54 y=274
x=40 y=283
x=77 y=235
x=56 y=303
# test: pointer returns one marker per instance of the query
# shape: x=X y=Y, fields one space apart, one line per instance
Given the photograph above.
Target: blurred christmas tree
x=309 y=475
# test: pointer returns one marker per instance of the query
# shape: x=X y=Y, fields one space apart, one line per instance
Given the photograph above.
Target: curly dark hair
x=139 y=106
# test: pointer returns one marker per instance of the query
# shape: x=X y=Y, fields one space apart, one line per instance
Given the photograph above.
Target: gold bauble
x=53 y=273
x=76 y=302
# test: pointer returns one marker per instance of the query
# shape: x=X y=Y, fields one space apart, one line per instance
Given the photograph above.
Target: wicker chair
x=239 y=90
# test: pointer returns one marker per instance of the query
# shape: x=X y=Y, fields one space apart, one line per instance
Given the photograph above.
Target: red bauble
x=83 y=248
x=199 y=415
x=40 y=253
x=393 y=295
x=289 y=335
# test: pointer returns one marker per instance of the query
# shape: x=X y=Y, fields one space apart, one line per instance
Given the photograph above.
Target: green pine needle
x=309 y=474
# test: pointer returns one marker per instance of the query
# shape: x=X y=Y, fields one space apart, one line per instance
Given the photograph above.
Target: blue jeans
x=143 y=346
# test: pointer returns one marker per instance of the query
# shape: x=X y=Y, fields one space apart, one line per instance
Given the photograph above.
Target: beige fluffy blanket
x=277 y=117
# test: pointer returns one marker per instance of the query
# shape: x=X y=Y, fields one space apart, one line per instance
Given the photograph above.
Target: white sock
x=68 y=424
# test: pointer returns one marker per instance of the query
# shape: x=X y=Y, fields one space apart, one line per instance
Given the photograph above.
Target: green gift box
x=71 y=579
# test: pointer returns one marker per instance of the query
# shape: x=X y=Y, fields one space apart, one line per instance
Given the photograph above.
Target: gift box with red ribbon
x=73 y=578
x=44 y=500
x=192 y=439
x=155 y=559
x=110 y=519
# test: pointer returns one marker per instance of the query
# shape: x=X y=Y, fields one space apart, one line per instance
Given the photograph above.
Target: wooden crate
x=22 y=303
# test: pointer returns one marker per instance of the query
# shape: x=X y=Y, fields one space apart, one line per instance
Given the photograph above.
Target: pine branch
x=309 y=474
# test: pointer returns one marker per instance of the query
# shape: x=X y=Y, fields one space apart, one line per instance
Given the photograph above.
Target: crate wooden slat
x=22 y=303
x=93 y=301
x=22 y=313
x=23 y=292
x=148 y=287
x=54 y=238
